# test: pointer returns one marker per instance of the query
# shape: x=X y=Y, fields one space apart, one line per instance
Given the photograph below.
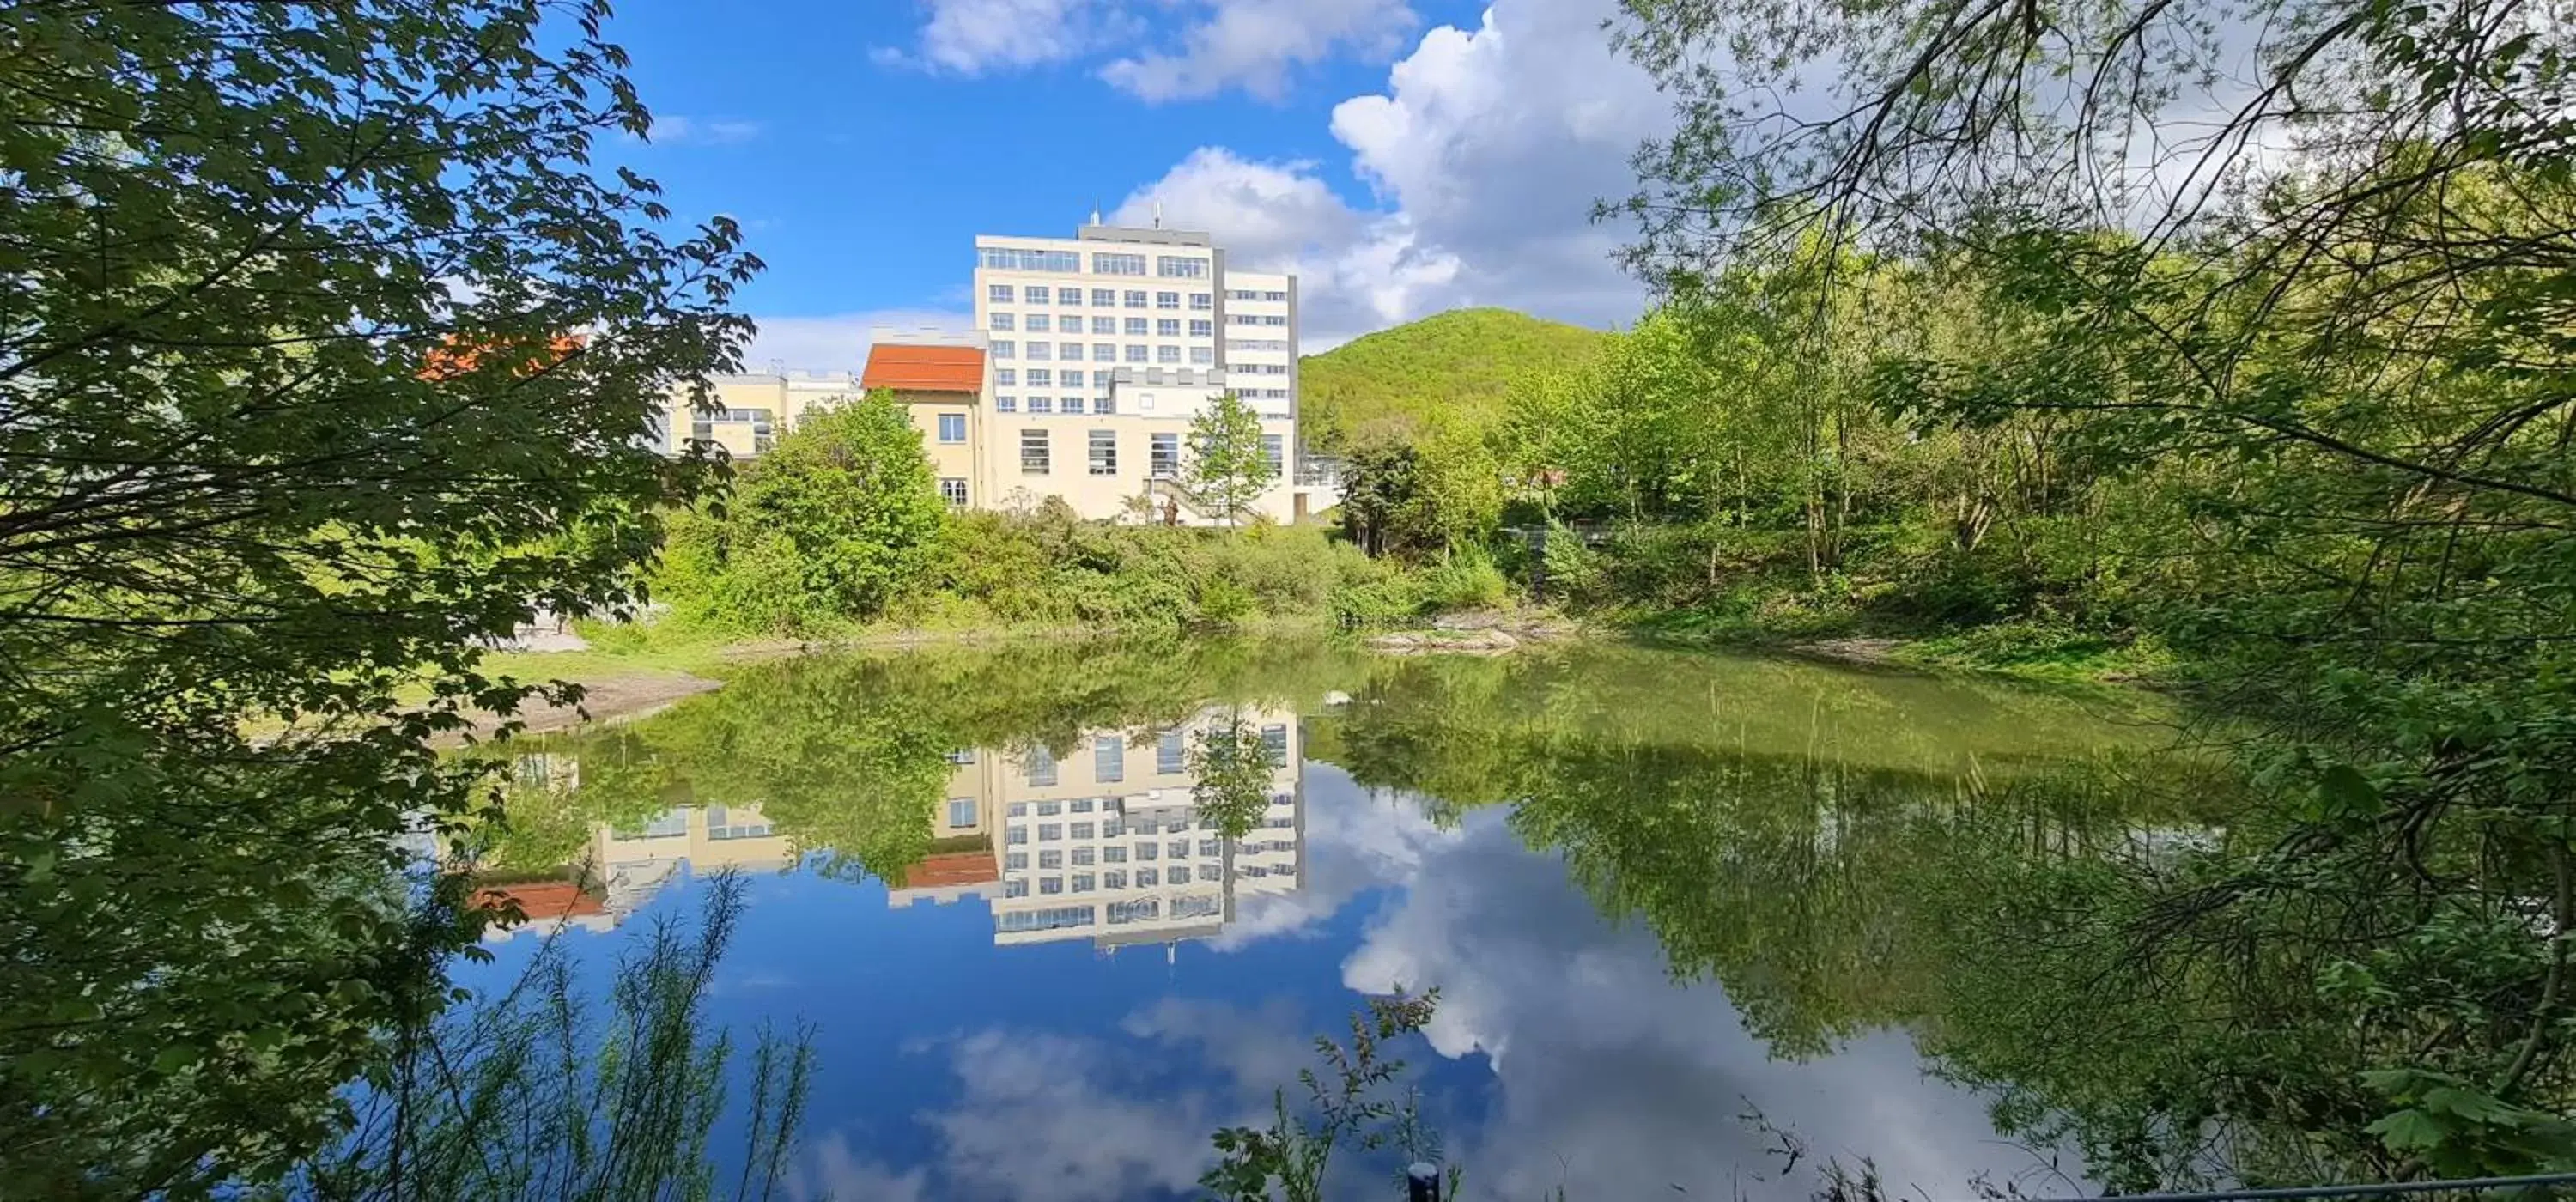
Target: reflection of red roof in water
x=541 y=900
x=957 y=868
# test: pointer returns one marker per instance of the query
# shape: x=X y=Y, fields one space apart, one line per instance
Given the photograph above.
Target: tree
x=852 y=492
x=1227 y=463
x=328 y=351
x=1234 y=771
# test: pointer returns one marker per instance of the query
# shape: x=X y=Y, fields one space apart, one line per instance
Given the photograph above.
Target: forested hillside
x=1385 y=387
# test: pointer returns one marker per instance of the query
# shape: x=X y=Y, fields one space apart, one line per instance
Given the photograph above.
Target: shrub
x=1467 y=579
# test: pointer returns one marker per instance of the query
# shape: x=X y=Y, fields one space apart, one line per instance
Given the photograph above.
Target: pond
x=1683 y=912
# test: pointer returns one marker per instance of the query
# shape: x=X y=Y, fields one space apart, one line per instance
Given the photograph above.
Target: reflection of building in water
x=634 y=865
x=1106 y=844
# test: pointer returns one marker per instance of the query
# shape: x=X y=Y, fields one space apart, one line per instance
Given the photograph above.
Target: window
x=1078 y=830
x=963 y=755
x=1167 y=300
x=1040 y=352
x=1104 y=352
x=1114 y=880
x=1136 y=327
x=1104 y=405
x=1139 y=354
x=1148 y=851
x=1050 y=858
x=1102 y=298
x=1147 y=878
x=1073 y=404
x=1169 y=327
x=1136 y=300
x=952 y=427
x=1172 y=267
x=1254 y=319
x=723 y=825
x=1041 y=377
x=1180 y=849
x=1052 y=884
x=1271 y=451
x=1049 y=809
x=1084 y=857
x=1006 y=376
x=1209 y=848
x=1034 y=461
x=1104 y=325
x=1068 y=296
x=1083 y=882
x=1104 y=462
x=1041 y=404
x=1070 y=352
x=1177 y=876
x=1050 y=832
x=1108 y=752
x=1255 y=344
x=1102 y=379
x=1019 y=809
x=1017 y=861
x=1108 y=264
x=1202 y=328
x=1001 y=321
x=1167 y=354
x=1014 y=888
x=1201 y=302
x=1203 y=355
x=1006 y=259
x=1000 y=294
x=1163 y=461
x=952 y=489
x=1004 y=348
x=1039 y=323
x=1113 y=855
x=1079 y=805
x=1018 y=835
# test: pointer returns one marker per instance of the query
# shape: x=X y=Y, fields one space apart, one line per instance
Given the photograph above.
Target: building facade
x=1096 y=352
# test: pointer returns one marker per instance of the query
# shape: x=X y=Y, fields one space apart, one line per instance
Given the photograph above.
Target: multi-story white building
x=1101 y=349
x=1089 y=358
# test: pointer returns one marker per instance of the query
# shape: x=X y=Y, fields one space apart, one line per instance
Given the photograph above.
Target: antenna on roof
x=1095 y=214
x=1158 y=214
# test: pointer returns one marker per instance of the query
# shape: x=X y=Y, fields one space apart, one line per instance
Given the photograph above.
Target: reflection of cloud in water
x=833 y=1170
x=1355 y=841
x=1614 y=1082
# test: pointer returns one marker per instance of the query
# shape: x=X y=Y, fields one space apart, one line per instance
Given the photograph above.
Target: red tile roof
x=961 y=868
x=541 y=900
x=924 y=368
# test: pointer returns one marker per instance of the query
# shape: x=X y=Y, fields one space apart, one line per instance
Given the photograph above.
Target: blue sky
x=1402 y=156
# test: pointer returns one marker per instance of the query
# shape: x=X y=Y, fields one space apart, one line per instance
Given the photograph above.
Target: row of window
x=1037 y=458
x=1101 y=352
x=1170 y=267
x=1058 y=832
x=1001 y=258
x=1040 y=404
x=1136 y=327
x=1256 y=344
x=1145 y=878
x=1255 y=319
x=1243 y=295
x=1101 y=298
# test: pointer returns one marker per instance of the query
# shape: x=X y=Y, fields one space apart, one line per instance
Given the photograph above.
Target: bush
x=1467 y=579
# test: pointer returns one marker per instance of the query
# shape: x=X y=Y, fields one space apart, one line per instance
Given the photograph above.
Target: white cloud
x=677 y=130
x=1257 y=44
x=976 y=37
x=1484 y=155
x=837 y=342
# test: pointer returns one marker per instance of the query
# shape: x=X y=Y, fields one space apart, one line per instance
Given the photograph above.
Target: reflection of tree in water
x=1234 y=771
x=849 y=756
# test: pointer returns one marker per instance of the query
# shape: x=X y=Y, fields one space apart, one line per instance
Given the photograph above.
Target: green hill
x=1381 y=387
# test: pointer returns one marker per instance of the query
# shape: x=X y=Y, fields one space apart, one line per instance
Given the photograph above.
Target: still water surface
x=1657 y=892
